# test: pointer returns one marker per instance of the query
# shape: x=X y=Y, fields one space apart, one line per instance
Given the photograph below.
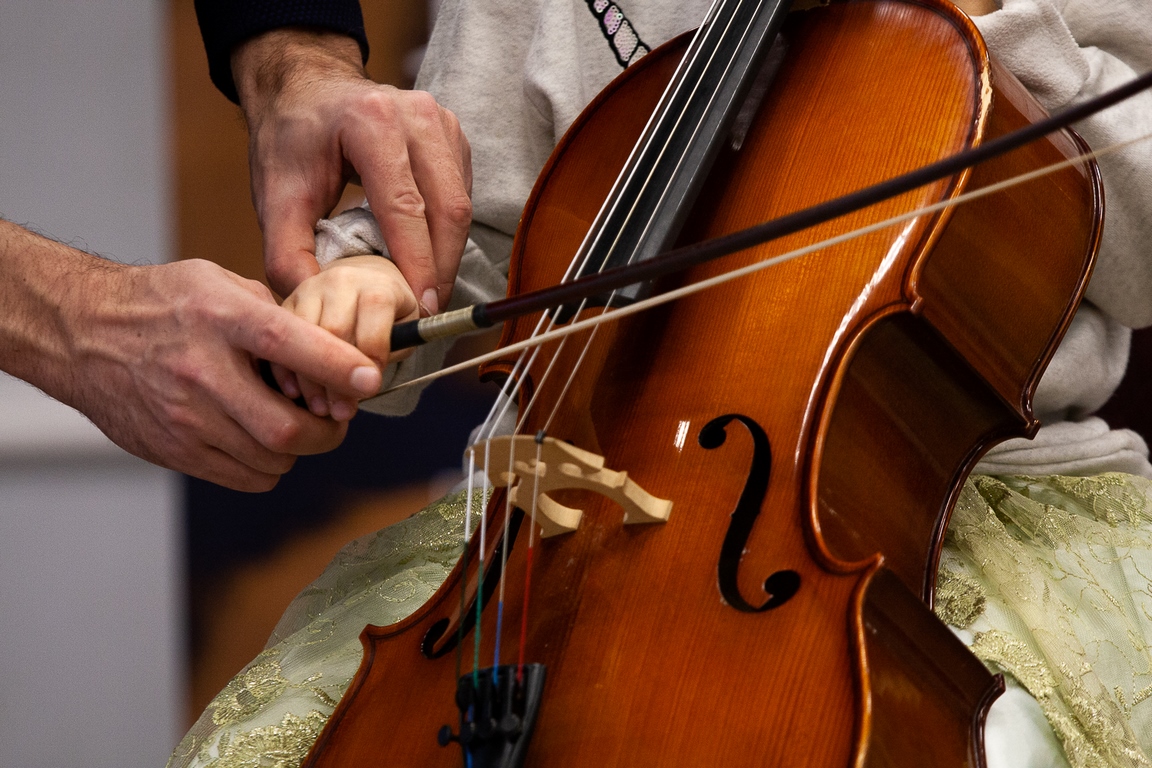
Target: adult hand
x=163 y=359
x=315 y=122
x=168 y=371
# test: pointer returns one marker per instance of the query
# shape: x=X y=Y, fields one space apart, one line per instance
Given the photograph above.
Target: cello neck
x=657 y=187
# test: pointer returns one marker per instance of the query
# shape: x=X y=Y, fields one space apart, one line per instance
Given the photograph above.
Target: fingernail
x=365 y=380
x=319 y=406
x=342 y=410
x=430 y=302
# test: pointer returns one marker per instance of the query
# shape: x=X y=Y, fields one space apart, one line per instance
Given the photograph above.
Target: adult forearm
x=225 y=24
x=46 y=289
x=288 y=59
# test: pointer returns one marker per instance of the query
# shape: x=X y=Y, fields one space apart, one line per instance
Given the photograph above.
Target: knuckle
x=451 y=122
x=198 y=267
x=344 y=280
x=377 y=298
x=203 y=310
x=340 y=326
x=258 y=289
x=283 y=271
x=192 y=376
x=378 y=105
x=270 y=336
x=424 y=106
x=458 y=211
x=181 y=420
x=406 y=202
x=282 y=436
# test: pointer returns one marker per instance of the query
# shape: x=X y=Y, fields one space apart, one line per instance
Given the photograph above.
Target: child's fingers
x=375 y=312
x=305 y=305
x=338 y=316
x=315 y=395
x=286 y=380
x=356 y=300
x=341 y=408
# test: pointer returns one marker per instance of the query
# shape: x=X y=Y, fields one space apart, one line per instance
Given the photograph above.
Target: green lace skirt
x=1049 y=580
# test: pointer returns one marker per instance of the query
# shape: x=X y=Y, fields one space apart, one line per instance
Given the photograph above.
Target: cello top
x=790 y=397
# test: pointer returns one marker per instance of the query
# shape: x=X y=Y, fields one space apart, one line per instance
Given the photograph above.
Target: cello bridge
x=526 y=464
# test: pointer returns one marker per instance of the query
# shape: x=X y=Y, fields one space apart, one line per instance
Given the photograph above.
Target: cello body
x=812 y=426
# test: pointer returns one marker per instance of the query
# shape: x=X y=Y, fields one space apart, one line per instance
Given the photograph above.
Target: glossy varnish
x=878 y=371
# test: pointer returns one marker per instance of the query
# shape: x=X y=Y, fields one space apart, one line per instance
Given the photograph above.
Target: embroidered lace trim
x=270 y=714
x=1051 y=576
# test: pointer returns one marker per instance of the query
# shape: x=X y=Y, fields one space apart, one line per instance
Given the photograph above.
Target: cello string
x=503 y=564
x=523 y=416
x=583 y=254
x=632 y=170
x=697 y=50
x=504 y=550
x=572 y=375
x=632 y=257
x=674 y=123
x=505 y=546
x=535 y=500
x=694 y=95
x=614 y=200
x=503 y=403
x=485 y=434
x=528 y=568
x=464 y=558
x=479 y=600
x=568 y=383
x=575 y=368
x=487 y=431
x=688 y=290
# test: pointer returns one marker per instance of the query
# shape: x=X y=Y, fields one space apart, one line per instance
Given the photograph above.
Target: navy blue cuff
x=224 y=24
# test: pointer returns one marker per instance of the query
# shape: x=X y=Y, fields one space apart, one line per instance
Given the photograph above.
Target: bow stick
x=460 y=321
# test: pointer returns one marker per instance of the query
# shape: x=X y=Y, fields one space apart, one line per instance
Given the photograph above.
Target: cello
x=810 y=428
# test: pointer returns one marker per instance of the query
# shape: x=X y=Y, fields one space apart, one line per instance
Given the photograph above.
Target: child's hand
x=357 y=299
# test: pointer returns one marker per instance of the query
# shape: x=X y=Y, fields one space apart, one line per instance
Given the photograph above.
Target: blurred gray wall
x=91 y=657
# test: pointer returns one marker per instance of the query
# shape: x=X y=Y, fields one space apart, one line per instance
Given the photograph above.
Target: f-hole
x=781 y=585
x=468 y=620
